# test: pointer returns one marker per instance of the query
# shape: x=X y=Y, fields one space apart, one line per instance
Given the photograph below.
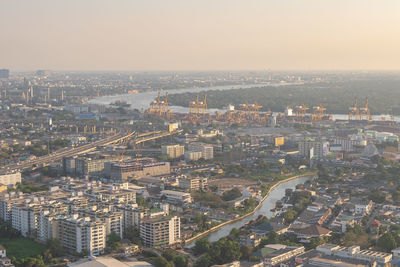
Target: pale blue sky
x=199 y=35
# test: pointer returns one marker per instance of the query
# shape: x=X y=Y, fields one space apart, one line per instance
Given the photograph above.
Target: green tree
x=234 y=233
x=162 y=262
x=245 y=252
x=387 y=242
x=133 y=234
x=113 y=242
x=204 y=261
x=225 y=251
x=180 y=261
x=55 y=248
x=202 y=246
x=169 y=254
x=232 y=194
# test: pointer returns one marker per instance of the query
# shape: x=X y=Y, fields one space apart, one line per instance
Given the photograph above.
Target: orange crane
x=353 y=111
x=365 y=111
x=159 y=107
x=255 y=109
x=197 y=106
x=193 y=105
x=318 y=113
x=301 y=110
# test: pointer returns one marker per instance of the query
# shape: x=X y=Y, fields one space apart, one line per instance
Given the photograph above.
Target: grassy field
x=21 y=247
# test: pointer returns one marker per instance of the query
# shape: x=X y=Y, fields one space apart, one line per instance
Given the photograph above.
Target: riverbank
x=215 y=228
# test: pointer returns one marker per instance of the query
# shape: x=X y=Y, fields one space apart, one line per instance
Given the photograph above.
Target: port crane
x=365 y=113
x=354 y=112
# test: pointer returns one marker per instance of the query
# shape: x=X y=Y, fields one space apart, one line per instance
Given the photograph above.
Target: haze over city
x=208 y=133
x=200 y=35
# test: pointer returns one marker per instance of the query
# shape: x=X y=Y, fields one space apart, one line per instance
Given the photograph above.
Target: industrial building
x=135 y=168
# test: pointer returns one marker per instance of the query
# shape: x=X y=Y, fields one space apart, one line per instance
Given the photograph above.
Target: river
x=269 y=203
x=141 y=101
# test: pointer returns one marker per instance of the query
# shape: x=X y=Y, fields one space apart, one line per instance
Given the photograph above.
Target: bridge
x=69 y=152
x=153 y=136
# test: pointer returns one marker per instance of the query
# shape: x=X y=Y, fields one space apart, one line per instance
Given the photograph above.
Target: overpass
x=69 y=152
x=153 y=136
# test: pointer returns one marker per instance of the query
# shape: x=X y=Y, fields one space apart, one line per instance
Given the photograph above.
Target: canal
x=269 y=203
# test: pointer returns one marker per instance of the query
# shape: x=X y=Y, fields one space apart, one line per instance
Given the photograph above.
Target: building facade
x=163 y=230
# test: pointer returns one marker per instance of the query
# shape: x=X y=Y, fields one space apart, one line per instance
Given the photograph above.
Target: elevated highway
x=69 y=152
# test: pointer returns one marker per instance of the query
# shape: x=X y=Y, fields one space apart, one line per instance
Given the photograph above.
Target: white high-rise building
x=132 y=215
x=24 y=218
x=162 y=230
x=10 y=179
x=173 y=151
x=207 y=152
x=81 y=234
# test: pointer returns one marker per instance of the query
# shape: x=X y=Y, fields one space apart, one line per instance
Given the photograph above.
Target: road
x=69 y=152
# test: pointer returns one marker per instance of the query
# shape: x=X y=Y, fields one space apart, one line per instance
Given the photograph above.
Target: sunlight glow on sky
x=199 y=34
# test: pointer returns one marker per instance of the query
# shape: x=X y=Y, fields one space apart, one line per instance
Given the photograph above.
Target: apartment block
x=81 y=234
x=173 y=151
x=162 y=230
x=10 y=179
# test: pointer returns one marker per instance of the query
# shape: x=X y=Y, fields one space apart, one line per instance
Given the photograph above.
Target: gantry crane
x=365 y=111
x=318 y=113
x=197 y=106
x=159 y=107
x=255 y=110
x=301 y=110
x=353 y=111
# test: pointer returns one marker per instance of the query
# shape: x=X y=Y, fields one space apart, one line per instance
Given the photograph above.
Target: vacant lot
x=21 y=247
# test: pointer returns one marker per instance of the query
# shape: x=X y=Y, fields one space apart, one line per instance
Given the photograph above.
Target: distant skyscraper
x=4 y=73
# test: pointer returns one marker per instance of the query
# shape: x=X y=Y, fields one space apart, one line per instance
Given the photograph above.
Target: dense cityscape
x=170 y=133
x=89 y=174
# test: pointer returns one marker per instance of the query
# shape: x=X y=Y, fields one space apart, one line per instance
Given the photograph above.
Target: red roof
x=375 y=223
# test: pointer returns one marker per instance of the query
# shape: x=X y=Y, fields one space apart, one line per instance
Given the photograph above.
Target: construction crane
x=365 y=112
x=318 y=113
x=301 y=110
x=353 y=111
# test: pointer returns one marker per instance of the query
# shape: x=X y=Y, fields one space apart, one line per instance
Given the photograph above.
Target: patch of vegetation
x=337 y=96
x=232 y=194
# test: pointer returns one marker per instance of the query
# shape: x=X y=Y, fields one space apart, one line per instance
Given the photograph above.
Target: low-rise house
x=275 y=253
x=176 y=196
x=342 y=221
x=362 y=207
x=263 y=229
x=314 y=214
x=250 y=240
x=312 y=231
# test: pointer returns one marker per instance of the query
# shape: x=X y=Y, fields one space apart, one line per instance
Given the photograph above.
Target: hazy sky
x=199 y=34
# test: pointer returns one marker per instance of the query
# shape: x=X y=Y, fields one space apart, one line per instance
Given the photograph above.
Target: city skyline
x=205 y=35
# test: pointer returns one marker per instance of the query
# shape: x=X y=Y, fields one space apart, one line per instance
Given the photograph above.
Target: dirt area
x=232 y=182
